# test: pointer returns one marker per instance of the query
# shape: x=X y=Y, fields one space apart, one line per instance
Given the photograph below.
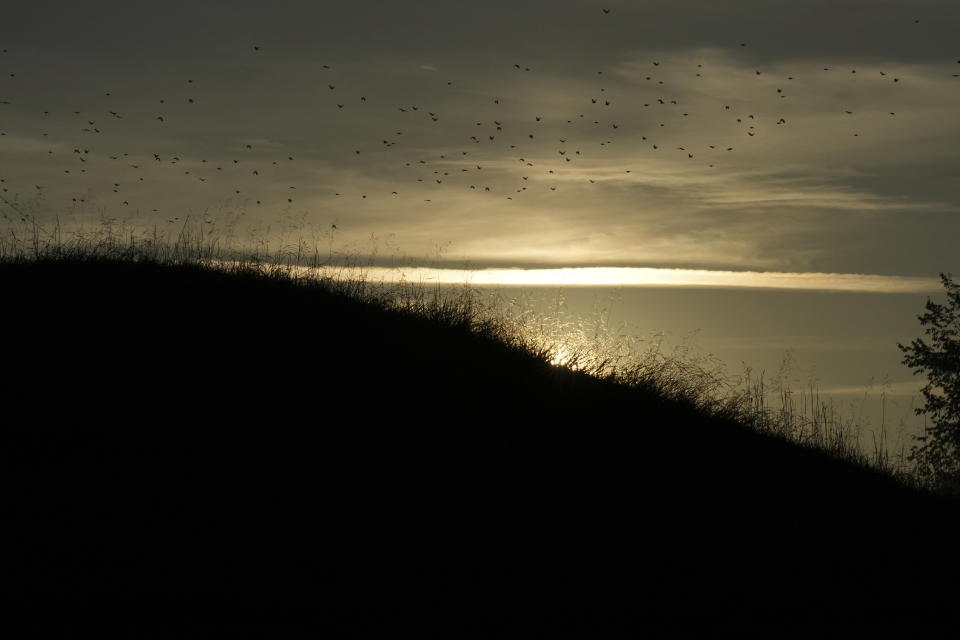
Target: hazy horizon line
x=635 y=277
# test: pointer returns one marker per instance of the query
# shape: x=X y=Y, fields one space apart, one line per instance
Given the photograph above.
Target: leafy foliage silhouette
x=938 y=455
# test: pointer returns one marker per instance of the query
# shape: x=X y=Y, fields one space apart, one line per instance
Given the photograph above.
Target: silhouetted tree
x=938 y=454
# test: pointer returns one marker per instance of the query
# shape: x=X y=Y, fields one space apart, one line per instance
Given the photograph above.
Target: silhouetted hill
x=187 y=447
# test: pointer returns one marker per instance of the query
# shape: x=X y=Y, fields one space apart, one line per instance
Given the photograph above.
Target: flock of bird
x=539 y=147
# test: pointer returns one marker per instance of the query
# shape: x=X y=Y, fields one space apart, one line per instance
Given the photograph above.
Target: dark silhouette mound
x=191 y=449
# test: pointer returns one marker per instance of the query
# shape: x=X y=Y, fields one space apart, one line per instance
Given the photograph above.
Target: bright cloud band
x=652 y=277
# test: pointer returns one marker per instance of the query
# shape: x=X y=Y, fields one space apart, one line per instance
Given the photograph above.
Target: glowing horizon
x=650 y=277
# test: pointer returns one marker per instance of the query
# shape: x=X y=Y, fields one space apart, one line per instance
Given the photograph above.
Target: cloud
x=647 y=277
x=14 y=144
x=823 y=190
x=904 y=388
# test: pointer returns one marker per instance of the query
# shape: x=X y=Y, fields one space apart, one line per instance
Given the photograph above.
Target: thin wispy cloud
x=649 y=277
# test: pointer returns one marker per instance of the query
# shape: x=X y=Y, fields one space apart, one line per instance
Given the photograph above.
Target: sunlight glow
x=561 y=356
x=651 y=277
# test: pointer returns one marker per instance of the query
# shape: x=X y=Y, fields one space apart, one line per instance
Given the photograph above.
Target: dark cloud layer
x=773 y=29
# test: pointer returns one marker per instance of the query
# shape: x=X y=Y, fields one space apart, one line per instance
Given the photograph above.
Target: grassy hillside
x=190 y=447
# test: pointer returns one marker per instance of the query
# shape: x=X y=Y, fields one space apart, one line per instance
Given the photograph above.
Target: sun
x=562 y=356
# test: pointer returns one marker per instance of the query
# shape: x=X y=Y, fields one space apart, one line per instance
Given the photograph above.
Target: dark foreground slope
x=191 y=449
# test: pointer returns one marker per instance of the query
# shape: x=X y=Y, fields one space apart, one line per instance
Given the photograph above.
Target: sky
x=771 y=136
x=772 y=179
